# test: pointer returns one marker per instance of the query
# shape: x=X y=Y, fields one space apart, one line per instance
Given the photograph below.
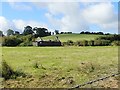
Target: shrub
x=84 y=43
x=9 y=73
x=77 y=43
x=105 y=42
x=115 y=43
x=11 y=41
x=91 y=43
x=97 y=43
x=18 y=73
x=26 y=43
x=87 y=43
x=27 y=40
x=64 y=43
x=101 y=42
x=68 y=43
x=109 y=37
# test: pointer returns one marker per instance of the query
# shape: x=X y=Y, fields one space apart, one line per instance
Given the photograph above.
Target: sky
x=70 y=16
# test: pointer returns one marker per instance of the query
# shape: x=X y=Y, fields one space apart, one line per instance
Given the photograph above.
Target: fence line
x=93 y=81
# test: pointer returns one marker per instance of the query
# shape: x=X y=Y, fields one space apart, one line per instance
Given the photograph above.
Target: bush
x=77 y=43
x=82 y=43
x=27 y=40
x=101 y=42
x=115 y=43
x=64 y=43
x=109 y=37
x=11 y=41
x=91 y=43
x=26 y=43
x=18 y=40
x=18 y=73
x=87 y=43
x=97 y=43
x=105 y=42
x=9 y=73
x=68 y=43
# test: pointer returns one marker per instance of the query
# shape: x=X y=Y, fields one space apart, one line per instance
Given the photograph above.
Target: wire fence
x=93 y=81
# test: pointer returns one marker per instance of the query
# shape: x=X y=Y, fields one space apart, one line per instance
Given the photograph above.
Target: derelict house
x=41 y=42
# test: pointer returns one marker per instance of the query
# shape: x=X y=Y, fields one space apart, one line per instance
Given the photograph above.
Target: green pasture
x=73 y=37
x=60 y=66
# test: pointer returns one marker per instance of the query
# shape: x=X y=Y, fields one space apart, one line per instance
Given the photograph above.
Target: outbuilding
x=41 y=42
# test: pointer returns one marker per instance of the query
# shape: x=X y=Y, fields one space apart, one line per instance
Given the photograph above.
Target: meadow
x=60 y=67
x=73 y=37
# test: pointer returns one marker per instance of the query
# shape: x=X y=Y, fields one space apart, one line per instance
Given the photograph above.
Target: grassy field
x=73 y=37
x=60 y=66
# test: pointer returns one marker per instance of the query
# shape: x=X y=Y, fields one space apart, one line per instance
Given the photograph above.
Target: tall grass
x=8 y=72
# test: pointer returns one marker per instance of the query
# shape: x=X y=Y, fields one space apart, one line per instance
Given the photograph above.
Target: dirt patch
x=109 y=83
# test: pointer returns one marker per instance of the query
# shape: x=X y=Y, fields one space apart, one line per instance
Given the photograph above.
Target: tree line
x=37 y=32
x=41 y=32
x=29 y=34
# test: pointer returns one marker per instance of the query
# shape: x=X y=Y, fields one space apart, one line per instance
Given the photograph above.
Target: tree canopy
x=10 y=32
x=41 y=32
x=27 y=30
x=1 y=33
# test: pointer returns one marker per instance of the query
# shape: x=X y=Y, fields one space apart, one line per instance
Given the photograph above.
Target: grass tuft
x=9 y=73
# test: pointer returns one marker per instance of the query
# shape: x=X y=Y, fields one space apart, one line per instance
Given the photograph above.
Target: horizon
x=63 y=16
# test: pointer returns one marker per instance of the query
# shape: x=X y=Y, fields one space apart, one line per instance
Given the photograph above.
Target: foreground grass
x=59 y=66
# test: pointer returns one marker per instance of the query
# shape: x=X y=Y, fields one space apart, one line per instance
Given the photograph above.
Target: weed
x=35 y=65
x=9 y=73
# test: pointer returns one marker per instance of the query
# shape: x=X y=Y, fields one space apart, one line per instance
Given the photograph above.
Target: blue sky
x=70 y=16
x=16 y=13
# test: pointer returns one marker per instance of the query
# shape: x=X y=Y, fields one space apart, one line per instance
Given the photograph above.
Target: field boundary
x=93 y=81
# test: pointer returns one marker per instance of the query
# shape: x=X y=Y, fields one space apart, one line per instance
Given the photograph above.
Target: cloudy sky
x=73 y=16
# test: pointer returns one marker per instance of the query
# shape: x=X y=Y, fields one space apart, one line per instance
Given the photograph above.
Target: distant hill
x=73 y=37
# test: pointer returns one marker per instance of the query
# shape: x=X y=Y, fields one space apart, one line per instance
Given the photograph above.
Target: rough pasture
x=60 y=66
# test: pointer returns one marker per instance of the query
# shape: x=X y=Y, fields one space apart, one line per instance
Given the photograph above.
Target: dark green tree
x=27 y=30
x=10 y=32
x=1 y=34
x=11 y=41
x=17 y=32
x=56 y=31
x=41 y=32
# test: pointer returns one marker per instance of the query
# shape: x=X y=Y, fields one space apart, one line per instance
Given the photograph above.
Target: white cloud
x=18 y=24
x=5 y=24
x=71 y=19
x=102 y=14
x=77 y=19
